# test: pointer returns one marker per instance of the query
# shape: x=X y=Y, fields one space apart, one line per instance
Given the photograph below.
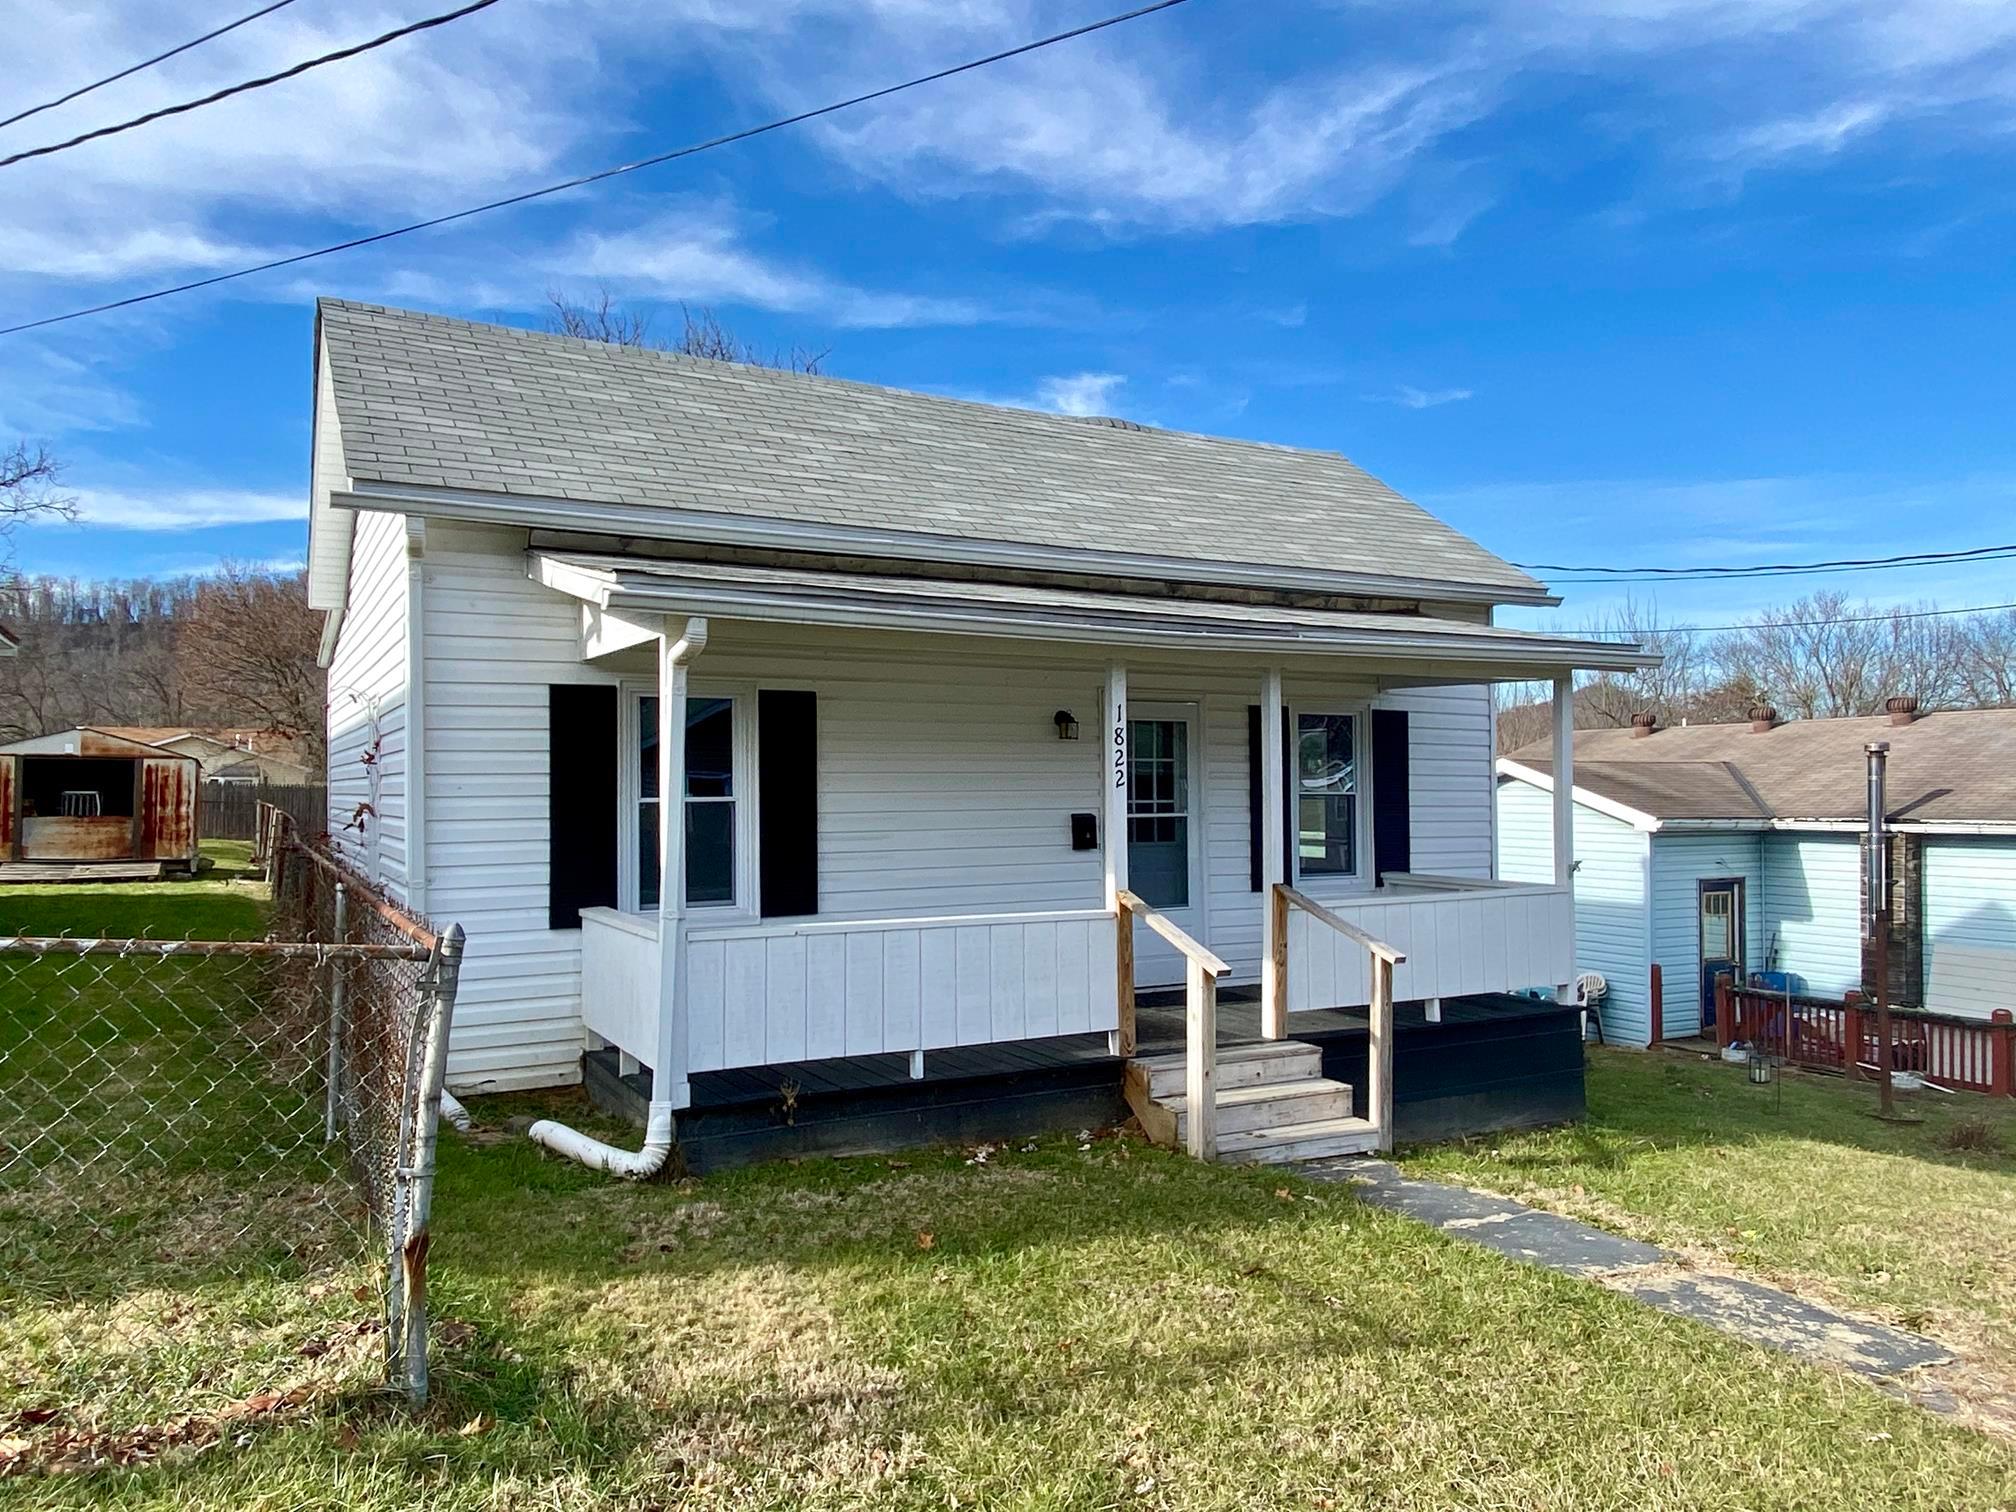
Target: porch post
x=1564 y=814
x=1273 y=865
x=1113 y=780
x=668 y=1066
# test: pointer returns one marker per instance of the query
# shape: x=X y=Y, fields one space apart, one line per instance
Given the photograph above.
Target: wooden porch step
x=1268 y=1105
x=1269 y=1062
x=1285 y=1144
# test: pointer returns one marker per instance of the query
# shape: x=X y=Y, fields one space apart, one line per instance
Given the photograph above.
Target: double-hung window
x=710 y=806
x=1327 y=771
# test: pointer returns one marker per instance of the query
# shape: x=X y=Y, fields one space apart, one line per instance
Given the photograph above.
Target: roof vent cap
x=1643 y=723
x=1762 y=718
x=1902 y=709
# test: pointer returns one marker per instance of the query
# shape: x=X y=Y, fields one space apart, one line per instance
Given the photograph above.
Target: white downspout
x=668 y=1064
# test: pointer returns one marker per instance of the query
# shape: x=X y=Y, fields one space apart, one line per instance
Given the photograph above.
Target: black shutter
x=1392 y=829
x=1253 y=796
x=581 y=767
x=787 y=767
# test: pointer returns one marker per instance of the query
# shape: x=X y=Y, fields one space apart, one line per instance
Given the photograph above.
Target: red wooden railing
x=1969 y=1055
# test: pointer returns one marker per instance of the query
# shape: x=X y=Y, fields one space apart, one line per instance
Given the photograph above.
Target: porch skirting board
x=1493 y=1062
x=862 y=1106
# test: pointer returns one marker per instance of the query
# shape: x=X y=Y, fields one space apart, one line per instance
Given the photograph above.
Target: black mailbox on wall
x=1084 y=832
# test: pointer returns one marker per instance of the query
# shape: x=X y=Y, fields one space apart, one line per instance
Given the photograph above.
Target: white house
x=1737 y=848
x=906 y=667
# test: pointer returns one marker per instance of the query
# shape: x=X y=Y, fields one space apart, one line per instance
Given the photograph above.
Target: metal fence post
x=338 y=975
x=440 y=1012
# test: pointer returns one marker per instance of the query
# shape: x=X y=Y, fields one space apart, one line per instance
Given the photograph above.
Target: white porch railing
x=763 y=994
x=1459 y=936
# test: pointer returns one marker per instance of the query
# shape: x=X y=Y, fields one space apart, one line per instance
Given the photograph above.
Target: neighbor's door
x=1721 y=907
x=1165 y=793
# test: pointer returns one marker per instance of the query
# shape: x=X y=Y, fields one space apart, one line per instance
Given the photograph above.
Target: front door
x=1721 y=909
x=1164 y=795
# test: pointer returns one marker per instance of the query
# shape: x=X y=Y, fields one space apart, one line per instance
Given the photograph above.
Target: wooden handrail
x=1343 y=926
x=1201 y=970
x=1134 y=903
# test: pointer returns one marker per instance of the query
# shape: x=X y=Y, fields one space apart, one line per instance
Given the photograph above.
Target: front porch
x=896 y=845
x=1488 y=1062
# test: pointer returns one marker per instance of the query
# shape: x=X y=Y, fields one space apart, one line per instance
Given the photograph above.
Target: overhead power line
x=209 y=36
x=1599 y=574
x=249 y=84
x=605 y=173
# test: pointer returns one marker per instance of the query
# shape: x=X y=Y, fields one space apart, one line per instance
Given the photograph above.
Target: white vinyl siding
x=1610 y=904
x=1812 y=911
x=1449 y=739
x=493 y=642
x=1679 y=863
x=368 y=704
x=1970 y=925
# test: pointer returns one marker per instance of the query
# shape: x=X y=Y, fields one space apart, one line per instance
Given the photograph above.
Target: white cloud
x=1407 y=396
x=184 y=508
x=1823 y=132
x=1079 y=393
x=701 y=256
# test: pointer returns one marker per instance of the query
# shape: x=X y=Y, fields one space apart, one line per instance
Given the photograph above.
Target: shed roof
x=427 y=402
x=86 y=740
x=1956 y=767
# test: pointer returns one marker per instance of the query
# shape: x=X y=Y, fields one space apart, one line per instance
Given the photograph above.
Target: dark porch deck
x=1493 y=1062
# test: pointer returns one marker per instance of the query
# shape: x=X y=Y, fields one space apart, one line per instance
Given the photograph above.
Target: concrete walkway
x=1748 y=1309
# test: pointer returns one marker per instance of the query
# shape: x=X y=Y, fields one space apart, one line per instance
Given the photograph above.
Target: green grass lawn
x=1068 y=1324
x=1914 y=1223
x=158 y=1117
x=1057 y=1327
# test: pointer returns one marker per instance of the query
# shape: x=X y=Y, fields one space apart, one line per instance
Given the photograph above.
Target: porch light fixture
x=1067 y=727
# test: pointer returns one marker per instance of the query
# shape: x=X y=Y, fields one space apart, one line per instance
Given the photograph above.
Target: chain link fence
x=174 y=1111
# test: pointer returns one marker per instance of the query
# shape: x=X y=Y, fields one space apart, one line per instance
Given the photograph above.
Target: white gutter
x=718 y=527
x=668 y=1080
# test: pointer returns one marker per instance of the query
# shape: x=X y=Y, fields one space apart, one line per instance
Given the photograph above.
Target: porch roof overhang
x=627 y=585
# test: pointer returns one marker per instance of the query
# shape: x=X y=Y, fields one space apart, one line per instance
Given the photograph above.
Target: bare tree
x=29 y=475
x=1826 y=657
x=701 y=333
x=1988 y=660
x=248 y=643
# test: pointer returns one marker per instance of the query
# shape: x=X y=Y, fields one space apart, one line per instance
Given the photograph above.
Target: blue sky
x=1625 y=281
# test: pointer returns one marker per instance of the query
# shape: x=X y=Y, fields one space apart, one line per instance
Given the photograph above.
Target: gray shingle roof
x=1953 y=767
x=426 y=400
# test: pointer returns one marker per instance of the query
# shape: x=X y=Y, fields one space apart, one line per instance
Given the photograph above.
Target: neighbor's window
x=709 y=802
x=1326 y=795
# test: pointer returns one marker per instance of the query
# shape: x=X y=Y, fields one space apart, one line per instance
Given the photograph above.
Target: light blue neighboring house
x=1708 y=848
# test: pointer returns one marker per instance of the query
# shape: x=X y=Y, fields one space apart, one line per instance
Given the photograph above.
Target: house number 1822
x=1119 y=745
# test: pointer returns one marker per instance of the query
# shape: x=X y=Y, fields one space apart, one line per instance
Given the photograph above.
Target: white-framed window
x=1329 y=765
x=718 y=806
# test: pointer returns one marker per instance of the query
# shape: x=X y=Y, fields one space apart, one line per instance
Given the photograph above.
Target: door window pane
x=1326 y=795
x=1158 y=811
x=1717 y=931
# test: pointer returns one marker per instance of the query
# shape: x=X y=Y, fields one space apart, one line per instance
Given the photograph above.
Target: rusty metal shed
x=82 y=800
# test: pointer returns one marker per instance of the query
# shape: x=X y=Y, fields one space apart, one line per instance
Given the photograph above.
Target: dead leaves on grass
x=67 y=1450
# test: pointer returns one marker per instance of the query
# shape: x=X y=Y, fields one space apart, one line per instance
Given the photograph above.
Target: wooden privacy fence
x=230 y=810
x=1968 y=1055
